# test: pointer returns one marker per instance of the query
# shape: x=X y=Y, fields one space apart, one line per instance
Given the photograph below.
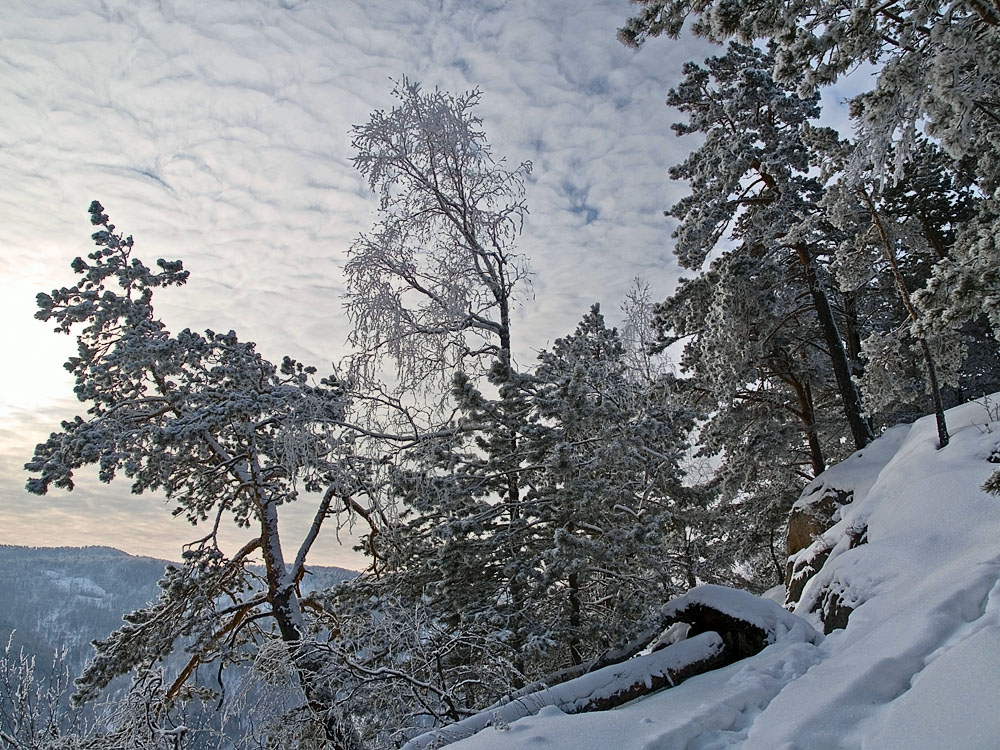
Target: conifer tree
x=611 y=532
x=225 y=434
x=936 y=65
x=762 y=323
x=751 y=177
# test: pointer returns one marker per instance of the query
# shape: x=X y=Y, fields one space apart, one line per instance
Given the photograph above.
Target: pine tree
x=762 y=323
x=223 y=433
x=608 y=511
x=752 y=173
x=936 y=65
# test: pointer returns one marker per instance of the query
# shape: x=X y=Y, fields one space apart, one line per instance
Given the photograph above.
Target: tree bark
x=287 y=613
x=808 y=417
x=904 y=294
x=849 y=395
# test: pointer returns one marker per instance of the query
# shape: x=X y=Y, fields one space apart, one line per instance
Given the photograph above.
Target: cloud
x=219 y=133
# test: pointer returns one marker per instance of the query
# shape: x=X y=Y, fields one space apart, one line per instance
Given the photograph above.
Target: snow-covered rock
x=704 y=607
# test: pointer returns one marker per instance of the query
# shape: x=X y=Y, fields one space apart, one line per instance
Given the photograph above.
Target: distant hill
x=65 y=597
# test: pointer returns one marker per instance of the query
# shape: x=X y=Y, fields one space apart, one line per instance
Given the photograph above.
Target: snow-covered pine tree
x=751 y=177
x=613 y=530
x=963 y=293
x=226 y=435
x=762 y=323
x=891 y=239
x=605 y=532
x=937 y=65
x=762 y=391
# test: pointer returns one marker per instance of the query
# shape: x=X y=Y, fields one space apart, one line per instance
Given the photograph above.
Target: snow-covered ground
x=918 y=665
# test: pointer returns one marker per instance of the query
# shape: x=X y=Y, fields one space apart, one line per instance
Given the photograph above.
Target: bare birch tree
x=431 y=286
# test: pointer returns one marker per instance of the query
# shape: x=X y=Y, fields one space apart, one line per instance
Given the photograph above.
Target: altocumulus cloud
x=219 y=133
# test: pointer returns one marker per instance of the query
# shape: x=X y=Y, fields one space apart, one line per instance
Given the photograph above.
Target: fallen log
x=722 y=626
x=604 y=688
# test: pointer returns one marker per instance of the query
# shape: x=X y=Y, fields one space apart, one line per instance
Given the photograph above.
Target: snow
x=76 y=585
x=574 y=695
x=916 y=668
x=761 y=612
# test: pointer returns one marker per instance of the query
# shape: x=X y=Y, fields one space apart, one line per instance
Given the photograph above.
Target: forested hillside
x=573 y=531
x=65 y=597
x=62 y=598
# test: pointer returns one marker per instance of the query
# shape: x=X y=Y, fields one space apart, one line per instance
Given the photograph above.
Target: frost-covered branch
x=440 y=266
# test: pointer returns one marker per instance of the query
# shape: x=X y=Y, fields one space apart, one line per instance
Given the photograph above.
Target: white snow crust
x=766 y=614
x=918 y=665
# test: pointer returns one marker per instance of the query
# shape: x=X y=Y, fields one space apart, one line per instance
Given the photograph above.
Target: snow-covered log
x=746 y=623
x=599 y=690
x=725 y=625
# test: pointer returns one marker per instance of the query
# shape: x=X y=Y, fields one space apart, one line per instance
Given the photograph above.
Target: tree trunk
x=849 y=395
x=808 y=417
x=852 y=333
x=904 y=293
x=574 y=618
x=689 y=561
x=287 y=613
x=508 y=407
x=942 y=425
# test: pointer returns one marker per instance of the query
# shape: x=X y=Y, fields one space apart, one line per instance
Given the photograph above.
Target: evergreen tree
x=224 y=433
x=430 y=292
x=762 y=324
x=604 y=533
x=751 y=175
x=611 y=538
x=936 y=65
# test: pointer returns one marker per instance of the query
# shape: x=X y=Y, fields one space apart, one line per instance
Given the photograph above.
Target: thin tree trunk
x=942 y=426
x=779 y=572
x=849 y=395
x=808 y=416
x=574 y=618
x=904 y=293
x=513 y=481
x=852 y=333
x=689 y=564
x=287 y=613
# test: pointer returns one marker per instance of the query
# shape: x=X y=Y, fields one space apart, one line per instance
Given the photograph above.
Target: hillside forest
x=524 y=521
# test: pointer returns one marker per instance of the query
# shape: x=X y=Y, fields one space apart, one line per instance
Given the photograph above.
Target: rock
x=810 y=516
x=746 y=623
x=802 y=567
x=833 y=611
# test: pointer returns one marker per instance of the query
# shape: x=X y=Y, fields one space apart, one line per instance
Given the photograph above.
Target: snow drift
x=910 y=564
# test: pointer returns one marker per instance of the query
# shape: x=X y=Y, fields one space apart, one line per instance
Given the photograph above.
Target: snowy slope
x=918 y=665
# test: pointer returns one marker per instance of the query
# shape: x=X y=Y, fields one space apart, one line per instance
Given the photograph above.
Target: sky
x=218 y=132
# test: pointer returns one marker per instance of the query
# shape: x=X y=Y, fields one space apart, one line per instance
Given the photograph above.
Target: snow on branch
x=599 y=690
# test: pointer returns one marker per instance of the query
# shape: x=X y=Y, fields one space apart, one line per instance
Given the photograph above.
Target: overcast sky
x=218 y=132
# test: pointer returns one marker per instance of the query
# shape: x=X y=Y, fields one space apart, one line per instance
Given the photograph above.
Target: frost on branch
x=937 y=64
x=222 y=432
x=430 y=286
